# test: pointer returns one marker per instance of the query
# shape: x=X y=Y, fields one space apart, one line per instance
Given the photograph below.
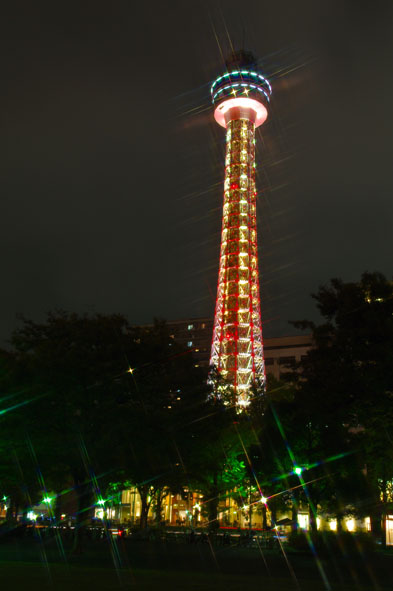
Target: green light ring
x=241 y=73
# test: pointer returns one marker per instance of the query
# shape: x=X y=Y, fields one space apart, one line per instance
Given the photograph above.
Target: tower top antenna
x=240 y=59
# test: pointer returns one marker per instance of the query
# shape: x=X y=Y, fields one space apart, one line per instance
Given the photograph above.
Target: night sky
x=112 y=165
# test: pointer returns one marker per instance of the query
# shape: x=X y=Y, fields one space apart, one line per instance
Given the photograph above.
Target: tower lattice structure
x=241 y=97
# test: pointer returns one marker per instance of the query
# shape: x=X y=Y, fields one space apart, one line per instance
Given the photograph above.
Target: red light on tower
x=241 y=97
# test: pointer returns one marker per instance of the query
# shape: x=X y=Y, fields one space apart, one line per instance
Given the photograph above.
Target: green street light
x=298 y=470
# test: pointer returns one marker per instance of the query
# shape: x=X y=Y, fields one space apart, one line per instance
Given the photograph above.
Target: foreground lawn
x=38 y=577
x=124 y=564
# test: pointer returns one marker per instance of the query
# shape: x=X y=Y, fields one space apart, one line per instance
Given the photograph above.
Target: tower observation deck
x=241 y=97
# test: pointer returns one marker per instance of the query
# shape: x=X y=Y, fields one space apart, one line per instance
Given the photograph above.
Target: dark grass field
x=127 y=564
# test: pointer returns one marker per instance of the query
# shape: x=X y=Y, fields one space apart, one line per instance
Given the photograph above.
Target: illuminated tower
x=240 y=96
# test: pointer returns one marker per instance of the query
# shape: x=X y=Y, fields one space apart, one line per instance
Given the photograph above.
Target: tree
x=73 y=368
x=109 y=400
x=212 y=453
x=18 y=483
x=168 y=395
x=345 y=391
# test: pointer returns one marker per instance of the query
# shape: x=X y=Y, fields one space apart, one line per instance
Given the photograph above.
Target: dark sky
x=112 y=165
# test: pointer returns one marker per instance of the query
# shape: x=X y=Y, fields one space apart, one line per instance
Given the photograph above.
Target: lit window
x=203 y=325
x=302 y=521
x=190 y=326
x=350 y=523
x=189 y=344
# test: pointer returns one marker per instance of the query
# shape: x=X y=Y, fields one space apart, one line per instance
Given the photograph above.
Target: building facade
x=195 y=335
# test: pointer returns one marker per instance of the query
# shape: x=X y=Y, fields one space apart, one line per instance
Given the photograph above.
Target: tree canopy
x=91 y=403
x=109 y=404
x=344 y=394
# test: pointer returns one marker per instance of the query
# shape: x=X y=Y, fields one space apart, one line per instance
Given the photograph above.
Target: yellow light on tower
x=241 y=97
